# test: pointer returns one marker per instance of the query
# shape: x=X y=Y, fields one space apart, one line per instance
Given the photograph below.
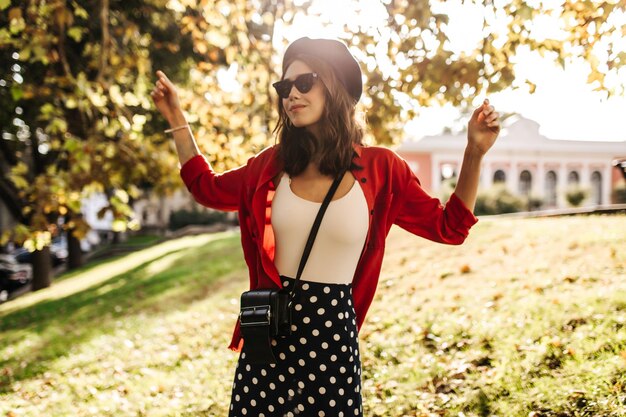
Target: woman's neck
x=311 y=171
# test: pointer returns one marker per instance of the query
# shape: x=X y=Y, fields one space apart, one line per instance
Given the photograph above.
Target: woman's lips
x=297 y=108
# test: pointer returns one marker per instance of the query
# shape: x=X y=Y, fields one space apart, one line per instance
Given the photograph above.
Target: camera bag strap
x=257 y=332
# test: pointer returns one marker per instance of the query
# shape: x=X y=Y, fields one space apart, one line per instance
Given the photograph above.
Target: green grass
x=527 y=318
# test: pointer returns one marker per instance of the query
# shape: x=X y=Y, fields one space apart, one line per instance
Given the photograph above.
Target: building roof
x=518 y=135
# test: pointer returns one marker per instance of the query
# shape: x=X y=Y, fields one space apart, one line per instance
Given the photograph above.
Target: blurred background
x=85 y=163
x=140 y=285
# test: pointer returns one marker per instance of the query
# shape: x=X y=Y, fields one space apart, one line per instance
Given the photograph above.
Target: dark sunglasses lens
x=283 y=88
x=304 y=83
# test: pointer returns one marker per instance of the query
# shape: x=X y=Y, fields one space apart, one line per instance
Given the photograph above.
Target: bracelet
x=174 y=129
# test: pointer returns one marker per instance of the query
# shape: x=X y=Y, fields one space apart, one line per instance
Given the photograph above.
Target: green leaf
x=16 y=92
x=80 y=12
x=75 y=33
x=4 y=4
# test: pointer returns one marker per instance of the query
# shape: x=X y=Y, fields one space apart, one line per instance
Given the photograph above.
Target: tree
x=75 y=110
x=424 y=70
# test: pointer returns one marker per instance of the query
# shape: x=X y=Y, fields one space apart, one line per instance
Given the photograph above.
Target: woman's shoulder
x=264 y=155
x=380 y=155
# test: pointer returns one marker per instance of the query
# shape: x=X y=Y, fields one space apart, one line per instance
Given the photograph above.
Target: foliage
x=535 y=327
x=413 y=43
x=498 y=200
x=618 y=195
x=575 y=195
x=534 y=202
x=447 y=188
x=182 y=218
x=76 y=110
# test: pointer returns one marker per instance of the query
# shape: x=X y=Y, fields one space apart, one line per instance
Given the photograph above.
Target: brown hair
x=339 y=128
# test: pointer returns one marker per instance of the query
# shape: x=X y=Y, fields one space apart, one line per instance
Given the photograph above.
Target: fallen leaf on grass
x=556 y=343
x=445 y=275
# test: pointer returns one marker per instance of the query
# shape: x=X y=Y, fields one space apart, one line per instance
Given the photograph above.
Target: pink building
x=527 y=162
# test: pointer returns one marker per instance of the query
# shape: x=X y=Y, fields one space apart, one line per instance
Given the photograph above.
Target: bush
x=447 y=188
x=498 y=200
x=618 y=196
x=575 y=195
x=182 y=218
x=534 y=203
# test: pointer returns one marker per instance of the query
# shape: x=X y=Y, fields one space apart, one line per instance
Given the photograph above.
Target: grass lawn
x=527 y=318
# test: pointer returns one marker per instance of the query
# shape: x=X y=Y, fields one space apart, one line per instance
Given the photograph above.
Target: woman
x=278 y=193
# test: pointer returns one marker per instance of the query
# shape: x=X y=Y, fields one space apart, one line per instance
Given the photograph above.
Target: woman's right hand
x=165 y=98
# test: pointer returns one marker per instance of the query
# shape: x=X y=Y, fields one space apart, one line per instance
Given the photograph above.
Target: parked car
x=13 y=276
x=58 y=252
x=58 y=249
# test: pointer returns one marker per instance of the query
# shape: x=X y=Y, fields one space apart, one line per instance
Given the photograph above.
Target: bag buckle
x=257 y=313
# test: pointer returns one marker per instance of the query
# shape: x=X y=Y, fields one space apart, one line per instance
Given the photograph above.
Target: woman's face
x=304 y=109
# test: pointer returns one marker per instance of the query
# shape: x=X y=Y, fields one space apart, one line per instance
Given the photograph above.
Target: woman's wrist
x=474 y=152
x=177 y=119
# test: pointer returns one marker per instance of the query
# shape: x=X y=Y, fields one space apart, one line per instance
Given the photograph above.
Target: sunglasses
x=303 y=82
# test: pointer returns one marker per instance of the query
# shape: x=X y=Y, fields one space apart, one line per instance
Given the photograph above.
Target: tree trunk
x=74 y=252
x=42 y=269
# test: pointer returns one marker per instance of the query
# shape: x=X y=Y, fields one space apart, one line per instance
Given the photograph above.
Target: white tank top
x=339 y=241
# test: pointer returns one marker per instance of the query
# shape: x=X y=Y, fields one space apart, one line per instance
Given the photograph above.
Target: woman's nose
x=294 y=92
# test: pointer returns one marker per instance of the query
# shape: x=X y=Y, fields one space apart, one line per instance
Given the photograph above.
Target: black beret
x=334 y=53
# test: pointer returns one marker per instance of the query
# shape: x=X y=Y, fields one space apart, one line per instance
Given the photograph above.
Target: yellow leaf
x=118 y=225
x=122 y=196
x=15 y=13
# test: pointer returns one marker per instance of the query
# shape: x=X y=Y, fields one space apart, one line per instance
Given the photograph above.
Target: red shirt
x=392 y=191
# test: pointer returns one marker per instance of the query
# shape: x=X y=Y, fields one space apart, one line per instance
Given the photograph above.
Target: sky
x=563 y=104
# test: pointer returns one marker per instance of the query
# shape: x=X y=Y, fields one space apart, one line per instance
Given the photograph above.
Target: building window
x=447 y=171
x=550 y=196
x=525 y=182
x=499 y=176
x=573 y=178
x=596 y=188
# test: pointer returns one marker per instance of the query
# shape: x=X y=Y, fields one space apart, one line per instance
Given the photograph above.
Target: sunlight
x=336 y=19
x=563 y=103
x=108 y=270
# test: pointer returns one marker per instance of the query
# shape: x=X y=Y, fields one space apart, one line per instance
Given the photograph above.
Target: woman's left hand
x=483 y=128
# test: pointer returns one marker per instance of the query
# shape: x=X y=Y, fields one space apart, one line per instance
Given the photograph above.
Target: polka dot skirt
x=318 y=369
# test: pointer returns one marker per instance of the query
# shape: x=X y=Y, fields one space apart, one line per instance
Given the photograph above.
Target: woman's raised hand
x=165 y=98
x=483 y=128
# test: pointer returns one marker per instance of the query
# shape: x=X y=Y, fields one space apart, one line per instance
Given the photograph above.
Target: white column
x=606 y=183
x=539 y=183
x=561 y=185
x=512 y=178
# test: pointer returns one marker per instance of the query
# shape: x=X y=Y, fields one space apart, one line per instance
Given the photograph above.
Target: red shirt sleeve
x=218 y=191
x=425 y=216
